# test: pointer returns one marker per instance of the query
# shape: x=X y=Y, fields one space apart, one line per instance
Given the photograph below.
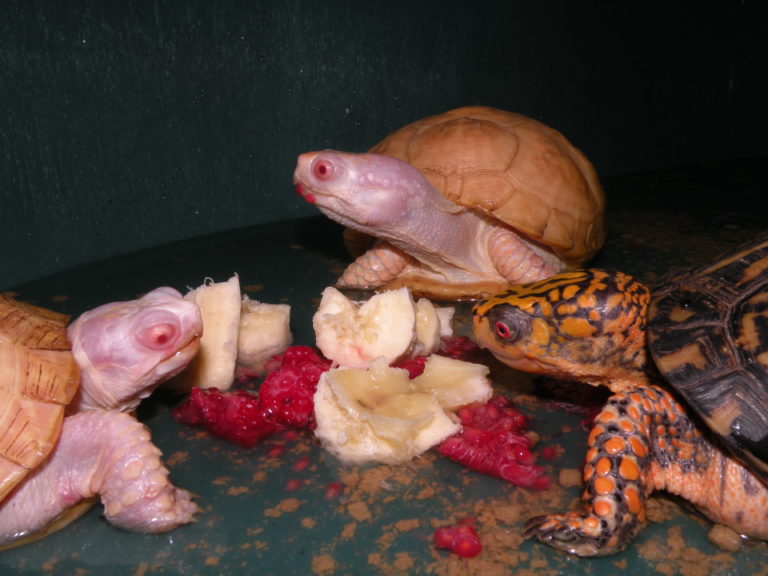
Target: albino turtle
x=462 y=204
x=65 y=433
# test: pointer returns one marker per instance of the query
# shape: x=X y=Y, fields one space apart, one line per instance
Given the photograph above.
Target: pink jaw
x=308 y=196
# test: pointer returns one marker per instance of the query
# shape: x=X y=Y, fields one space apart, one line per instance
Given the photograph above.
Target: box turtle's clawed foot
x=572 y=533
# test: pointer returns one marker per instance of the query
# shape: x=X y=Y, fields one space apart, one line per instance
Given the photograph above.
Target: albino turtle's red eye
x=502 y=330
x=323 y=169
x=159 y=336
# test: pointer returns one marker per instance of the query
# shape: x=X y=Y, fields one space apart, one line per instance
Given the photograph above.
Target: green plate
x=275 y=508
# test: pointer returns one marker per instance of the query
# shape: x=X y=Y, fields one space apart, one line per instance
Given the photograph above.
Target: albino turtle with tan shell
x=461 y=204
x=66 y=434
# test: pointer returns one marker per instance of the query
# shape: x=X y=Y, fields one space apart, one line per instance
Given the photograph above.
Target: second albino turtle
x=461 y=204
x=66 y=435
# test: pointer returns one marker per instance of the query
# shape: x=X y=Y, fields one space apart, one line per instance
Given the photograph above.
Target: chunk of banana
x=378 y=415
x=389 y=324
x=214 y=364
x=264 y=331
x=454 y=383
x=236 y=331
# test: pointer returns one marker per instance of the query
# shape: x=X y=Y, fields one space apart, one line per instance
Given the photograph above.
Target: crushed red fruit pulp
x=284 y=401
x=491 y=441
x=461 y=538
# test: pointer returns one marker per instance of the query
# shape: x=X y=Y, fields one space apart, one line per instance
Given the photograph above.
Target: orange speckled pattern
x=590 y=326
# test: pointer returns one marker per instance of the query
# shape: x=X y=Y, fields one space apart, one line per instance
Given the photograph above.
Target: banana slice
x=427 y=329
x=264 y=331
x=389 y=324
x=374 y=415
x=214 y=364
x=237 y=333
x=379 y=415
x=454 y=383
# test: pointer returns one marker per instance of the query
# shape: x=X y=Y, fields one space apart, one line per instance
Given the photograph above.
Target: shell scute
x=708 y=334
x=38 y=378
x=515 y=169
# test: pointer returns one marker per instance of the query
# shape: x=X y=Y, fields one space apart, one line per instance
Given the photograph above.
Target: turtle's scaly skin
x=590 y=326
x=65 y=433
x=461 y=204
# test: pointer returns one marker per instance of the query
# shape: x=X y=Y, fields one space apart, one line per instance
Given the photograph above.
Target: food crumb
x=308 y=522
x=403 y=561
x=349 y=531
x=407 y=525
x=176 y=458
x=359 y=511
x=725 y=538
x=570 y=477
x=323 y=564
x=287 y=505
x=237 y=490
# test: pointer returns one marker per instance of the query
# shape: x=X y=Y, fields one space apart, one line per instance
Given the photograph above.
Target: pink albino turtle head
x=125 y=349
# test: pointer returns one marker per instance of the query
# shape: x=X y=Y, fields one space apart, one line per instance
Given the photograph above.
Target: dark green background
x=127 y=124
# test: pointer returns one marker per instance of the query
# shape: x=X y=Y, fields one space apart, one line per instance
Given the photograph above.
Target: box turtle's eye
x=509 y=323
x=502 y=330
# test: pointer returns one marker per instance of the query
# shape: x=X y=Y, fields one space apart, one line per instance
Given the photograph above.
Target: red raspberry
x=491 y=442
x=284 y=401
x=234 y=416
x=459 y=347
x=461 y=539
x=415 y=366
x=286 y=395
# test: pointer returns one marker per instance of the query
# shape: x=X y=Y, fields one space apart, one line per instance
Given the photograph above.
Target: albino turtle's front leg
x=379 y=265
x=100 y=453
x=519 y=261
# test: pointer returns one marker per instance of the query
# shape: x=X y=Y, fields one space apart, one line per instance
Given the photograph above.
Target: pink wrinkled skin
x=124 y=350
x=104 y=453
x=420 y=232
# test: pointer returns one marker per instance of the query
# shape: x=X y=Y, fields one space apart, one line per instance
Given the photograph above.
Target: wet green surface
x=268 y=510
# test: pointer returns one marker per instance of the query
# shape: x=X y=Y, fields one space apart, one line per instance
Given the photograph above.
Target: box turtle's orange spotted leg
x=643 y=441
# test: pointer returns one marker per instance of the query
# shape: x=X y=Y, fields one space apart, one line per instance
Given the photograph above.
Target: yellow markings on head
x=586 y=301
x=571 y=291
x=540 y=333
x=577 y=327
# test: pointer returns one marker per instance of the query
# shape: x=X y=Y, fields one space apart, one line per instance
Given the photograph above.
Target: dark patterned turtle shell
x=708 y=334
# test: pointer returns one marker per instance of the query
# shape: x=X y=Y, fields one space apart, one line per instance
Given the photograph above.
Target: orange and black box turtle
x=688 y=369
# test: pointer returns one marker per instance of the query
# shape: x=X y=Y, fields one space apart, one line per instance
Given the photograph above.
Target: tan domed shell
x=512 y=167
x=38 y=378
